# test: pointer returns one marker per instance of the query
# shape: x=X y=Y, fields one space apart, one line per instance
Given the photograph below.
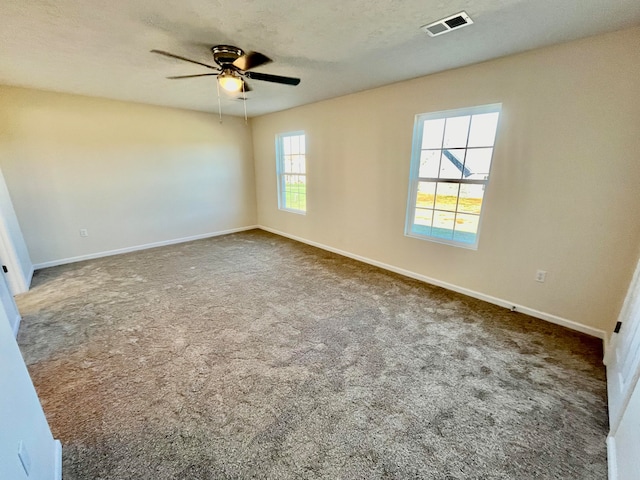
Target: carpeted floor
x=253 y=356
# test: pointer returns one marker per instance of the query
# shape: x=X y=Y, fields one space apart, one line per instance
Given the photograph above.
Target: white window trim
x=280 y=173
x=414 y=178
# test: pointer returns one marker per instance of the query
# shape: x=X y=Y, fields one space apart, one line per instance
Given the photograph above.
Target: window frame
x=414 y=172
x=280 y=171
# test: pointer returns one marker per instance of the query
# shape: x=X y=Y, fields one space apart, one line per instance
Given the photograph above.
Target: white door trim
x=16 y=281
x=619 y=391
x=612 y=461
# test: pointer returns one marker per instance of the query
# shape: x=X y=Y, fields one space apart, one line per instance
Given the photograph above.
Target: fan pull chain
x=219 y=105
x=244 y=102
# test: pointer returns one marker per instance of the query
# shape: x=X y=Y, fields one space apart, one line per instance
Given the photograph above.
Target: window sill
x=289 y=210
x=443 y=241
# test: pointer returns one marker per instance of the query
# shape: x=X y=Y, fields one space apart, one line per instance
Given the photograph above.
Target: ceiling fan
x=233 y=68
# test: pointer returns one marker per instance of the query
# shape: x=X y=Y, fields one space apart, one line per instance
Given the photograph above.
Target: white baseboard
x=29 y=278
x=594 y=332
x=611 y=458
x=57 y=465
x=407 y=273
x=23 y=282
x=164 y=243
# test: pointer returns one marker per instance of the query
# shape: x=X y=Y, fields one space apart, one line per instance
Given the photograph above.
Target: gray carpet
x=253 y=356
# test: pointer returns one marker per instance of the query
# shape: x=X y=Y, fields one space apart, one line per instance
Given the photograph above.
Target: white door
x=623 y=358
x=13 y=249
x=9 y=305
x=9 y=262
x=623 y=370
x=624 y=454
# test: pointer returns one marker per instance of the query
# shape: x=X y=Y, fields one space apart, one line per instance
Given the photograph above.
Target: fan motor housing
x=225 y=55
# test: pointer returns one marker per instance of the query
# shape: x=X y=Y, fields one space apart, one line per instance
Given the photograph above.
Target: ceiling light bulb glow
x=230 y=82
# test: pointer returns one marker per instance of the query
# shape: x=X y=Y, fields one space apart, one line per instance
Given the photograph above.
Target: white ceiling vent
x=448 y=24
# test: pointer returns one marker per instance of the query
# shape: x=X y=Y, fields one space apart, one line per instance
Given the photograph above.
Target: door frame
x=631 y=301
x=16 y=282
x=630 y=307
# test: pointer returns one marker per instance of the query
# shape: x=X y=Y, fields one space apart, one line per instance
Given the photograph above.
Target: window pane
x=426 y=194
x=432 y=133
x=290 y=203
x=456 y=131
x=295 y=201
x=452 y=163
x=466 y=222
x=478 y=163
x=301 y=186
x=301 y=144
x=466 y=228
x=429 y=163
x=447 y=196
x=287 y=164
x=297 y=164
x=295 y=193
x=295 y=144
x=442 y=224
x=423 y=217
x=483 y=129
x=288 y=181
x=470 y=198
x=286 y=145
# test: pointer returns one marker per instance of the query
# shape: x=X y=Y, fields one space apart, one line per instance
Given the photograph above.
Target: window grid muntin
x=413 y=207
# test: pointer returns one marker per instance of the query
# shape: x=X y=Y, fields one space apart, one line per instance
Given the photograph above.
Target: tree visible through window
x=450 y=166
x=292 y=172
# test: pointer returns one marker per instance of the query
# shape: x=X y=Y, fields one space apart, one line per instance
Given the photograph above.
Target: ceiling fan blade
x=193 y=76
x=251 y=60
x=171 y=55
x=272 y=78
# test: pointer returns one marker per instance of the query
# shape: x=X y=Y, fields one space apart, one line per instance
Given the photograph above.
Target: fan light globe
x=230 y=82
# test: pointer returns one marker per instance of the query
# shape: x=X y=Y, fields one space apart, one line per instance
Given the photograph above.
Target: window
x=292 y=172
x=450 y=165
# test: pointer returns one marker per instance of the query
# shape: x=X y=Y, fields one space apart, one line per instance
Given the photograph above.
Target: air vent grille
x=436 y=29
x=447 y=24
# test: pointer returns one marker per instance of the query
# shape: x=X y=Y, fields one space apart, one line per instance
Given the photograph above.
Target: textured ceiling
x=101 y=47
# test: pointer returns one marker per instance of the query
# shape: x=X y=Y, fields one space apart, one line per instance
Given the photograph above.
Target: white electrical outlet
x=541 y=276
x=84 y=232
x=23 y=455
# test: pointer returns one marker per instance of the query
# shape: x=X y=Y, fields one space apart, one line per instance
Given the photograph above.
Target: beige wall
x=565 y=188
x=131 y=174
